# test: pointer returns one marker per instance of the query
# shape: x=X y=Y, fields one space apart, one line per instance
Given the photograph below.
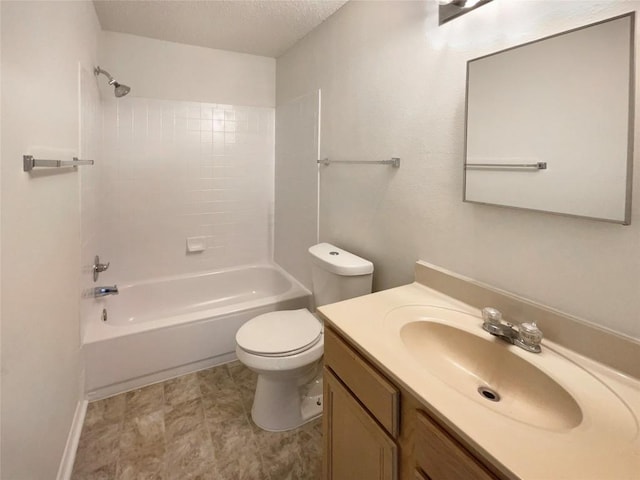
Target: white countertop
x=605 y=445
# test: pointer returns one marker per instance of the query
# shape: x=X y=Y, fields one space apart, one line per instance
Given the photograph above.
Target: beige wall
x=42 y=46
x=393 y=84
x=173 y=71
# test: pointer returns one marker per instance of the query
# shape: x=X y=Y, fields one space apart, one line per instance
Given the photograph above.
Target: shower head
x=120 y=89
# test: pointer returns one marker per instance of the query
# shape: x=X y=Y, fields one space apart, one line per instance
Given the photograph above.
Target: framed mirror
x=549 y=124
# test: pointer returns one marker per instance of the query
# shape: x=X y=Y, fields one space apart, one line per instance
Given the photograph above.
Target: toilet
x=285 y=347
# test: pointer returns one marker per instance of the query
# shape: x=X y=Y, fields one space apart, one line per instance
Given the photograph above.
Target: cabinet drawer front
x=442 y=457
x=379 y=396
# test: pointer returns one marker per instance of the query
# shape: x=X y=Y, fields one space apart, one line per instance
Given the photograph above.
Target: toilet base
x=281 y=404
x=312 y=400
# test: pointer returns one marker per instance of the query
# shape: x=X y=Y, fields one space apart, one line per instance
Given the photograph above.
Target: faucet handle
x=491 y=316
x=530 y=335
x=99 y=267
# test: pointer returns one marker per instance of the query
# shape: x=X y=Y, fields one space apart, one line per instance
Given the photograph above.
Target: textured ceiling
x=259 y=27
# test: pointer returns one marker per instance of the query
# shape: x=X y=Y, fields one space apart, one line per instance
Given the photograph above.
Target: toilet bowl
x=284 y=363
x=285 y=347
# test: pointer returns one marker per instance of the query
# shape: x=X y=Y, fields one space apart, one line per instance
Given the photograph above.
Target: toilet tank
x=337 y=274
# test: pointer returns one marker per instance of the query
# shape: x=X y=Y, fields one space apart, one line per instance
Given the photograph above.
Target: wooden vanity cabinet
x=355 y=445
x=374 y=430
x=419 y=475
x=440 y=457
x=360 y=417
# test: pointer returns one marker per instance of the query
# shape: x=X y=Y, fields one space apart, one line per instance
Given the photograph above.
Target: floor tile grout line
x=204 y=417
x=165 y=467
x=227 y=370
x=120 y=432
x=247 y=415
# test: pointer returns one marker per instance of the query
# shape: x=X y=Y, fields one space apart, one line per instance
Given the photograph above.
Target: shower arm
x=120 y=89
x=97 y=71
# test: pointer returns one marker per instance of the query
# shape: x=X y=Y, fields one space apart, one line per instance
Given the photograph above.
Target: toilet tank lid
x=338 y=261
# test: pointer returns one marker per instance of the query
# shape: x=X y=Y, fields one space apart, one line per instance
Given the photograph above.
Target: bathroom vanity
x=364 y=415
x=404 y=376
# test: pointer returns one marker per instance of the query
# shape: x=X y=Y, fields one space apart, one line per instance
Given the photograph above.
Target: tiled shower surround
x=173 y=170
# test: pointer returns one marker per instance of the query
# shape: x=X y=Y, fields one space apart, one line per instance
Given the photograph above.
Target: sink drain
x=489 y=394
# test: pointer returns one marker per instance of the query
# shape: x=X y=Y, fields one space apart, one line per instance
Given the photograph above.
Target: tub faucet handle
x=99 y=267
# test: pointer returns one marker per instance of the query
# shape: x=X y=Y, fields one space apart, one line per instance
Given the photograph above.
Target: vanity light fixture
x=450 y=9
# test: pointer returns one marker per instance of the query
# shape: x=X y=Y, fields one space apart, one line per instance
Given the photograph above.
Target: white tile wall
x=174 y=170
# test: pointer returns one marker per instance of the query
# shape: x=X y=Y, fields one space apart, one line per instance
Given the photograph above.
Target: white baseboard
x=69 y=454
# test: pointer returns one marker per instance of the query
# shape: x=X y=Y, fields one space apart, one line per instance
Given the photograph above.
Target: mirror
x=549 y=124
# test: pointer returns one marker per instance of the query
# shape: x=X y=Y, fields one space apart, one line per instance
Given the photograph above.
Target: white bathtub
x=162 y=328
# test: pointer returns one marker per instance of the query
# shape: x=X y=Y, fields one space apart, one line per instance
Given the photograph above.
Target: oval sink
x=487 y=371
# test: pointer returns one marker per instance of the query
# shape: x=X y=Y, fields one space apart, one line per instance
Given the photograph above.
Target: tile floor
x=197 y=426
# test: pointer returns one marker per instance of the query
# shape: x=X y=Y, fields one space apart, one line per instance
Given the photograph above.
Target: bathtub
x=158 y=329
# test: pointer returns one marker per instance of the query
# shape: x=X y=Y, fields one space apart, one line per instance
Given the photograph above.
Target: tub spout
x=104 y=291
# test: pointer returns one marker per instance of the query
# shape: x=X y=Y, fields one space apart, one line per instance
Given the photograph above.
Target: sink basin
x=451 y=346
x=488 y=371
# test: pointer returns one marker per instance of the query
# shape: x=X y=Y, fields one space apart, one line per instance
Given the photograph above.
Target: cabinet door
x=355 y=446
x=441 y=457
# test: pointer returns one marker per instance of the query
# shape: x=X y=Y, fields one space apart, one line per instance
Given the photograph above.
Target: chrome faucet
x=526 y=335
x=104 y=291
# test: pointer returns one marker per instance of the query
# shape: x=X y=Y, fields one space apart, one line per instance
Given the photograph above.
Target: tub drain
x=489 y=394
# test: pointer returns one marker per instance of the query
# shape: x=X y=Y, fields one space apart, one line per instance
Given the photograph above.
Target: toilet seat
x=280 y=333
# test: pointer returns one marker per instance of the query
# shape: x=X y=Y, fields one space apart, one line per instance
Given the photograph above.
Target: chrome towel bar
x=394 y=162
x=535 y=166
x=29 y=163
